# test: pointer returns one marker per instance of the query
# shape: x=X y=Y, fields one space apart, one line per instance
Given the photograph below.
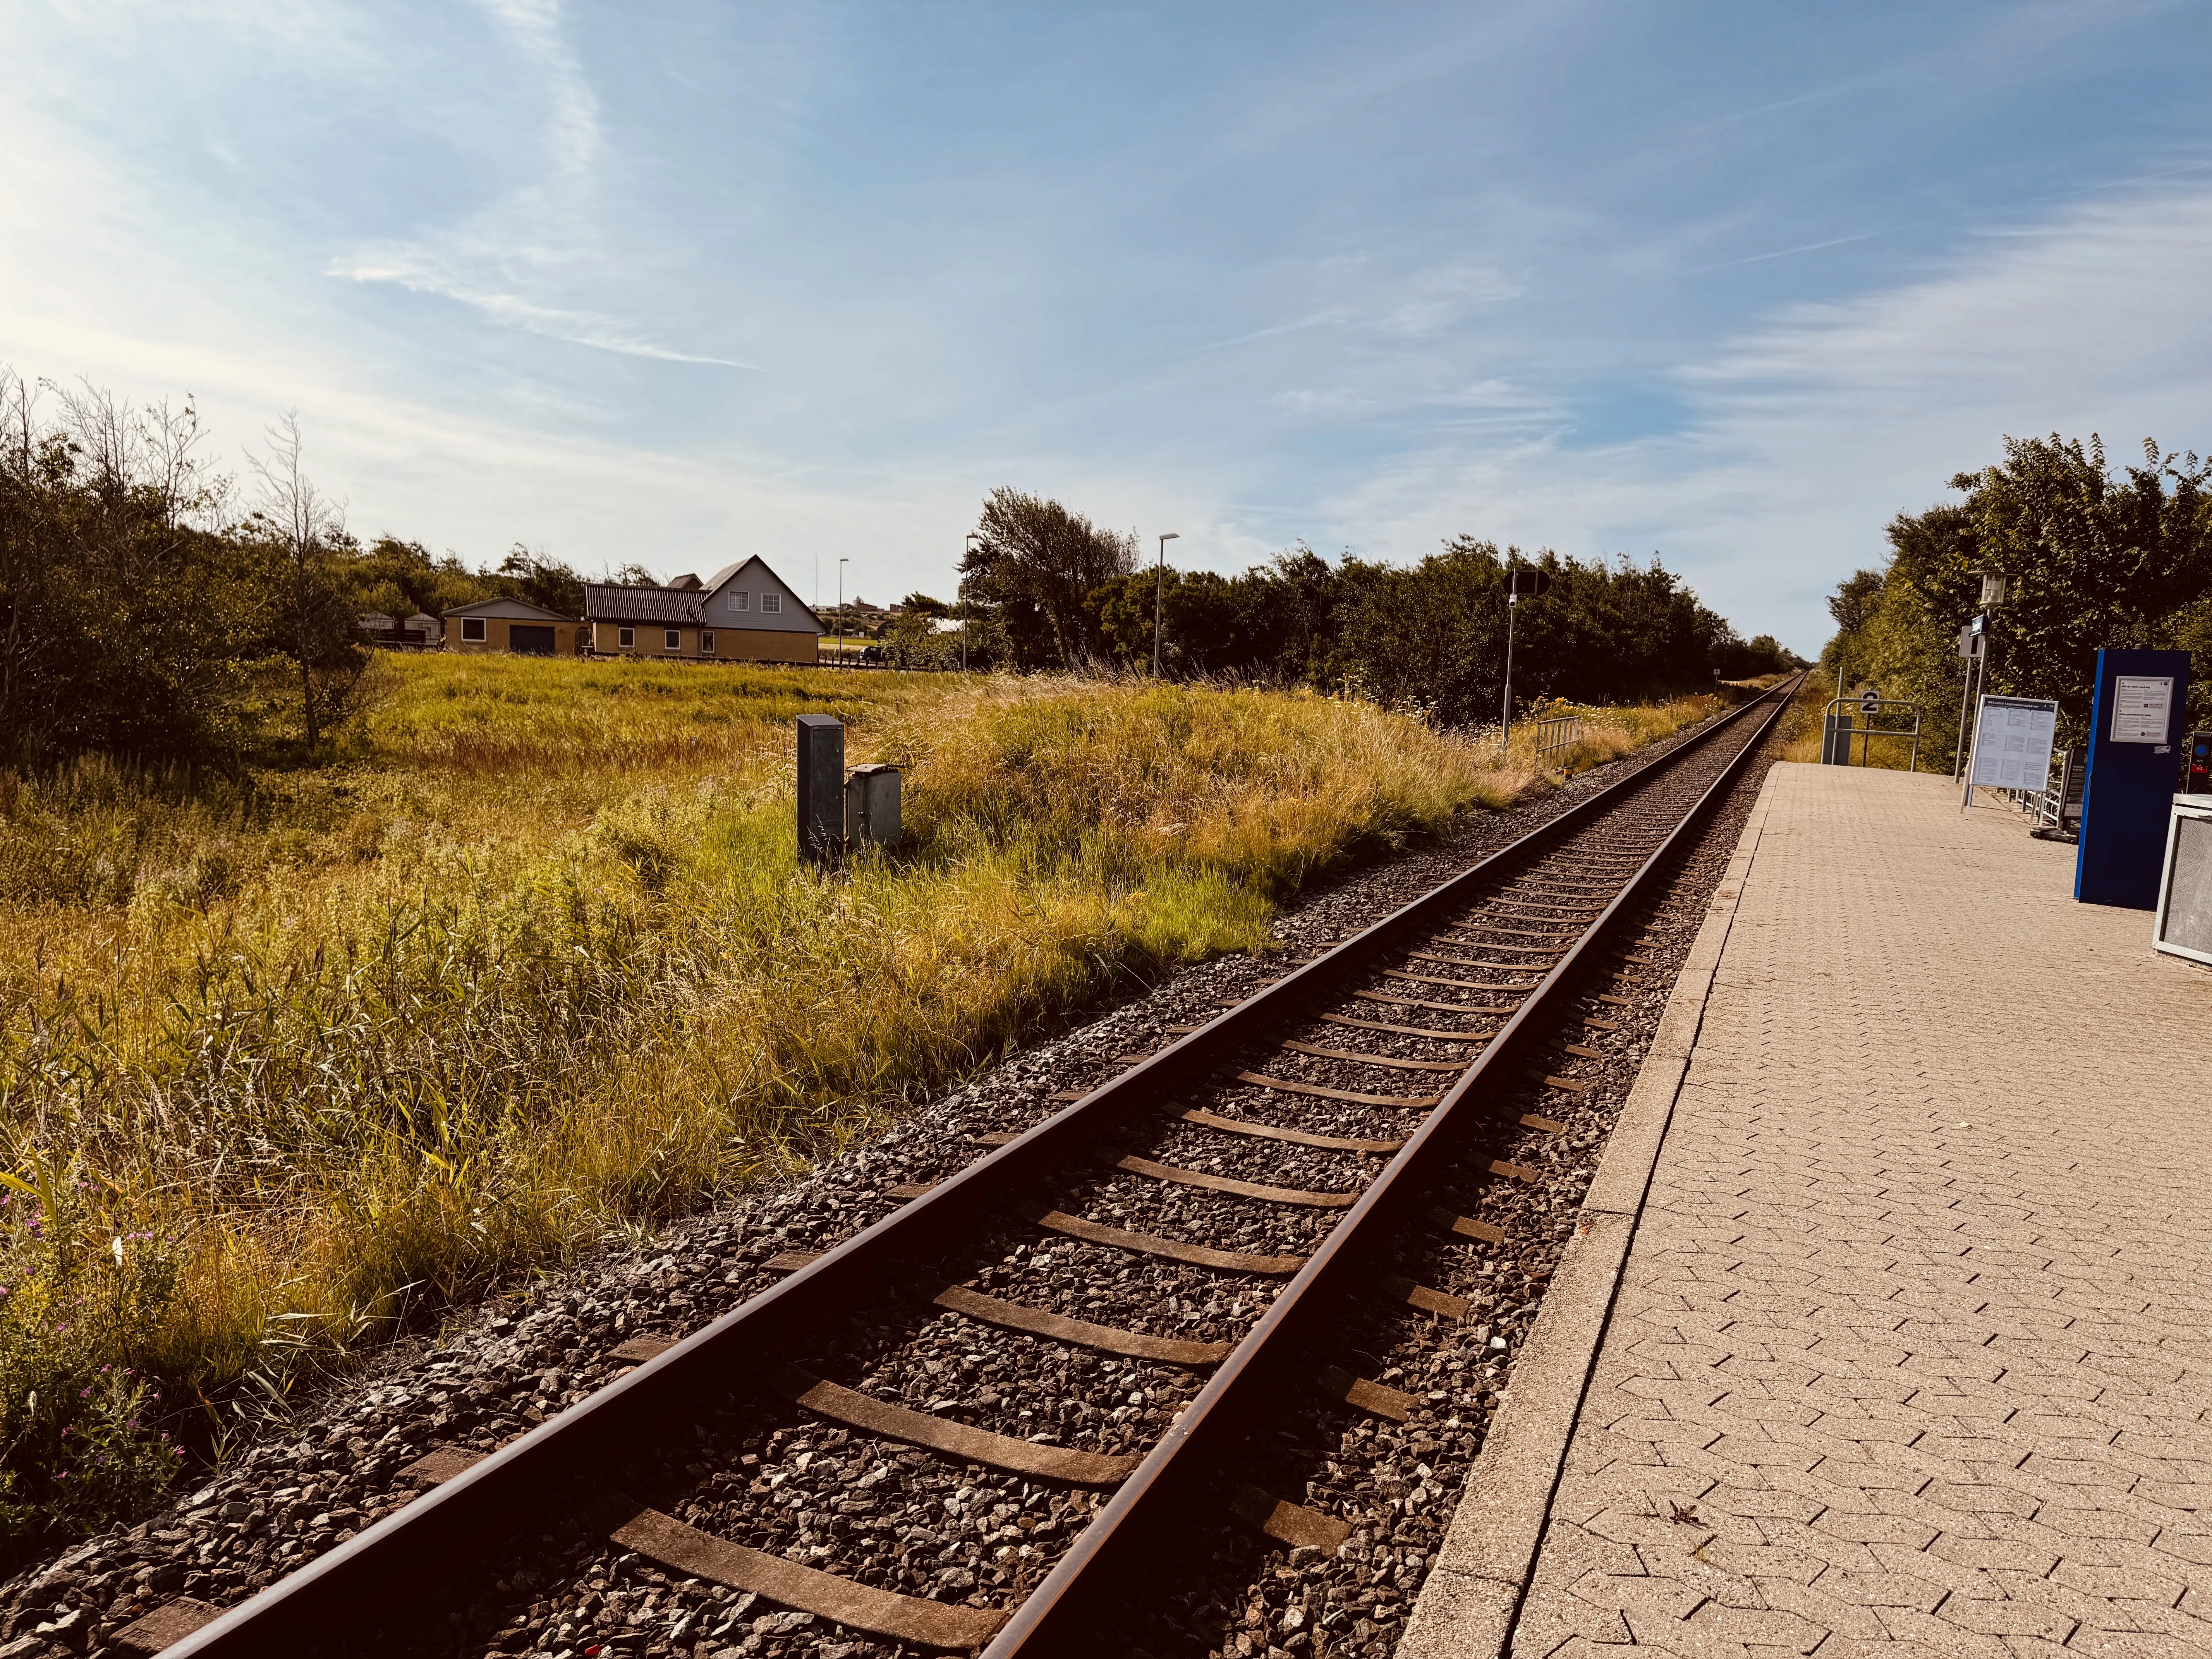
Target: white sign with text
x=2012 y=743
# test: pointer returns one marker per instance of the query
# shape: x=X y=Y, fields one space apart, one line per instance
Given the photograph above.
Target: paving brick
x=1941 y=1389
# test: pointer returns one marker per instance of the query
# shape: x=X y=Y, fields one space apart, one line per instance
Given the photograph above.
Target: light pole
x=1506 y=714
x=842 y=563
x=1159 y=588
x=972 y=540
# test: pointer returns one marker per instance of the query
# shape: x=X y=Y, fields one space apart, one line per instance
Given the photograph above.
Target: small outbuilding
x=744 y=613
x=512 y=625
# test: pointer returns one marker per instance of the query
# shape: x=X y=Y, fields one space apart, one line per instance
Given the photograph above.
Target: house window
x=626 y=636
x=675 y=637
x=772 y=603
x=740 y=601
x=473 y=628
x=706 y=641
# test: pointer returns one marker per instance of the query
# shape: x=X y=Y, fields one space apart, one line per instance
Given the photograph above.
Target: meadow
x=292 y=1061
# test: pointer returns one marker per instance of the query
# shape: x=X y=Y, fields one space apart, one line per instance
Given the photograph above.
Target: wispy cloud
x=1809 y=431
x=515 y=259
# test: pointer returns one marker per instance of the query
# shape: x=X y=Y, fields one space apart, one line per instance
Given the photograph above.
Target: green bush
x=80 y=1442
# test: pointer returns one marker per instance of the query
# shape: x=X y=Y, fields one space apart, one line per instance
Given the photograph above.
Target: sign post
x=2128 y=798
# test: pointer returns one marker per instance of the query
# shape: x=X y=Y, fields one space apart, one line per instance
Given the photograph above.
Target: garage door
x=530 y=641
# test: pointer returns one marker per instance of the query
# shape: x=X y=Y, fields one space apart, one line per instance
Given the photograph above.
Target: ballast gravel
x=764 y=1474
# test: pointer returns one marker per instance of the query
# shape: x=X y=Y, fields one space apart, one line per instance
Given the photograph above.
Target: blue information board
x=2135 y=745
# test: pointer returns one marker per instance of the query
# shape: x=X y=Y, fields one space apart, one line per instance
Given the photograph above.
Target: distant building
x=744 y=613
x=515 y=625
x=417 y=633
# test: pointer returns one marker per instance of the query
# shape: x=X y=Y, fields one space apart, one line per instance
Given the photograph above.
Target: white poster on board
x=2012 y=743
x=2141 y=705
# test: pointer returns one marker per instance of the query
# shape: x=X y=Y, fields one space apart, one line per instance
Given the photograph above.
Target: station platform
x=1907 y=1346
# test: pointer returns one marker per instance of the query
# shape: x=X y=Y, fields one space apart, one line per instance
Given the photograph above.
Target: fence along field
x=293 y=1062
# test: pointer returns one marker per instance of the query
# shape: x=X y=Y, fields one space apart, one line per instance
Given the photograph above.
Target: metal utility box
x=2196 y=776
x=872 y=807
x=2183 y=924
x=821 y=776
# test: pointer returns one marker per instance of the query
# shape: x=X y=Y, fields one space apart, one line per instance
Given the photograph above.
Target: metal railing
x=1837 y=728
x=2058 y=805
x=1555 y=732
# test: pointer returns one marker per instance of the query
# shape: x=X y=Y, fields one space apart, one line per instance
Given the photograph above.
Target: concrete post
x=820 y=790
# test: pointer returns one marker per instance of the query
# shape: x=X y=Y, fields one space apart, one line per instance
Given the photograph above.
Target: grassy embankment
x=1801 y=733
x=287 y=1065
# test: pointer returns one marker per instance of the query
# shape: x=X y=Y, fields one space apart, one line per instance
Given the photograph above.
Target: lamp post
x=842 y=563
x=972 y=540
x=1159 y=589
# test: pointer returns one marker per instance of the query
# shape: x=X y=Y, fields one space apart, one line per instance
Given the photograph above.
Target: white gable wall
x=750 y=581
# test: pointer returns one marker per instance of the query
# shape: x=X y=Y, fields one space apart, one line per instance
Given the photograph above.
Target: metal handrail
x=1557 y=732
x=1834 y=725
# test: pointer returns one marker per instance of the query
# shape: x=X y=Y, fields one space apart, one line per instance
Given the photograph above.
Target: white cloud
x=1809 y=432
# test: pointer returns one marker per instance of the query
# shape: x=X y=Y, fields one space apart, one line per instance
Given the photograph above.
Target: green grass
x=291 y=1063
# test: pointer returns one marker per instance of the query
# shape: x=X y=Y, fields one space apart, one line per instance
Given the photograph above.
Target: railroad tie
x=1299 y=1136
x=1572 y=1086
x=790 y=1261
x=1587 y=1054
x=165 y=1625
x=1466 y=1227
x=1145 y=1166
x=1172 y=1250
x=1499 y=1166
x=1550 y=1126
x=1596 y=1023
x=856 y=1410
x=1289 y=1523
x=1421 y=1297
x=1013 y=1316
x=1395 y=1064
x=1434 y=979
x=1389 y=1001
x=697 y=1555
x=1418 y=1030
x=1324 y=1092
x=441 y=1463
x=905 y=1189
x=1340 y=1384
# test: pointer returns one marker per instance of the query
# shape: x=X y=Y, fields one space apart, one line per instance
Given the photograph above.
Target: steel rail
x=1061 y=1615
x=410 y=1549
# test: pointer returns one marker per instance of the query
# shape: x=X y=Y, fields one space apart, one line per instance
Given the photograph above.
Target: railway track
x=1071 y=1340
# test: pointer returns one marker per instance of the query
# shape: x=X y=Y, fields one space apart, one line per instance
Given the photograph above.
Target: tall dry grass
x=287 y=1063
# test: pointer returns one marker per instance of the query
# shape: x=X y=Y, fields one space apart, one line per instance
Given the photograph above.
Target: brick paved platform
x=1912 y=1350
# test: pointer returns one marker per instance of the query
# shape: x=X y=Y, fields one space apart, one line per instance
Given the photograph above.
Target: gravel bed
x=765 y=1472
x=1397 y=1484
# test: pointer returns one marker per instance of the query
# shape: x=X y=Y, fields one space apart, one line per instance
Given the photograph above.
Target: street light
x=842 y=563
x=971 y=540
x=1159 y=587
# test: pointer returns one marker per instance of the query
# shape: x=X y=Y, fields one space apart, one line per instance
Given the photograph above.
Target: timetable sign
x=2012 y=743
x=2143 y=705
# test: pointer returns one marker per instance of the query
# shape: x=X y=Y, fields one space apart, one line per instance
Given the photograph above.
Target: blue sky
x=676 y=284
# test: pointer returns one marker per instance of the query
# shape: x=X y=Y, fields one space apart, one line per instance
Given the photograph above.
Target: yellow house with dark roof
x=745 y=613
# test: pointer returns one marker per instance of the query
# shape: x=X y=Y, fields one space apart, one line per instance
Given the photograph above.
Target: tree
x=119 y=600
x=1036 y=563
x=2089 y=559
x=303 y=534
x=537 y=576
